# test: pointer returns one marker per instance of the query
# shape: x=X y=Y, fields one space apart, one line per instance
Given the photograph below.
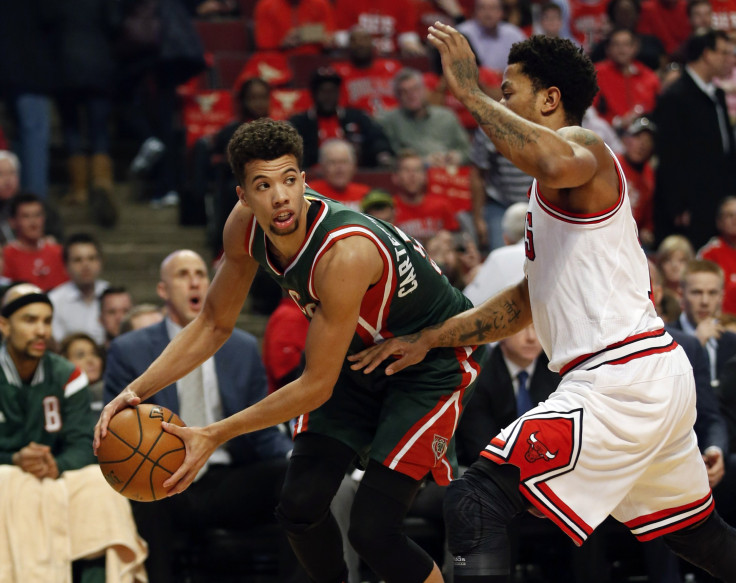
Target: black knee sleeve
x=316 y=469
x=711 y=545
x=478 y=507
x=376 y=530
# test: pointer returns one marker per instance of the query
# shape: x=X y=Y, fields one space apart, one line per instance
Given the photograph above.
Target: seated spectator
x=141 y=316
x=248 y=468
x=588 y=22
x=283 y=344
x=32 y=257
x=9 y=187
x=327 y=120
x=625 y=14
x=489 y=35
x=456 y=254
x=495 y=184
x=433 y=131
x=391 y=23
x=638 y=140
x=418 y=213
x=84 y=353
x=338 y=164
x=52 y=494
x=667 y=20
x=380 y=205
x=551 y=21
x=366 y=79
x=505 y=264
x=76 y=302
x=628 y=88
x=673 y=254
x=722 y=250
x=115 y=303
x=297 y=27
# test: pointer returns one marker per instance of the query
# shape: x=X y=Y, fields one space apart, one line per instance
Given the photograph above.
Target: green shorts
x=405 y=421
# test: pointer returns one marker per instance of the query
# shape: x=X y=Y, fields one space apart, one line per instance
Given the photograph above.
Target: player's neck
x=25 y=366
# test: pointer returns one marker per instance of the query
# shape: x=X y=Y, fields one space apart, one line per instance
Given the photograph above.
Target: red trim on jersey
x=250 y=233
x=667 y=516
x=376 y=303
x=630 y=357
x=584 y=218
x=301 y=425
x=580 y=359
x=307 y=238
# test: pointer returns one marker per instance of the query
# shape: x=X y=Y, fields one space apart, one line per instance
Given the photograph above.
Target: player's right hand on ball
x=126 y=398
x=407 y=350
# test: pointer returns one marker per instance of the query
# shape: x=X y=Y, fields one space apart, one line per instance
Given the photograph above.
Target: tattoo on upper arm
x=584 y=137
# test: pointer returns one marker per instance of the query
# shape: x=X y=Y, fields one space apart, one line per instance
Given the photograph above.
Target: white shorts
x=618 y=440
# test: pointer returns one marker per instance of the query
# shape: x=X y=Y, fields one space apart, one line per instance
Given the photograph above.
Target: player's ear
x=241 y=195
x=4 y=327
x=552 y=100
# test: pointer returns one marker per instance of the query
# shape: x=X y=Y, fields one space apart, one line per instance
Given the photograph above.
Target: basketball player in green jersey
x=358 y=280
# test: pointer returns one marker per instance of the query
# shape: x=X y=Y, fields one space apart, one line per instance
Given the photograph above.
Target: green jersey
x=53 y=409
x=411 y=294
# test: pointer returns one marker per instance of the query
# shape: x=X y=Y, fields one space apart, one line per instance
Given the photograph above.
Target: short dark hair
x=262 y=139
x=613 y=4
x=558 y=62
x=79 y=239
x=699 y=41
x=23 y=198
x=112 y=291
x=73 y=337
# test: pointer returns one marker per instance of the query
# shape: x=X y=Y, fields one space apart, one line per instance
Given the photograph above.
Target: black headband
x=33 y=298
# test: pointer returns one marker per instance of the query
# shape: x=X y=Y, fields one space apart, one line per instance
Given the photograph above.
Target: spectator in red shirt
x=367 y=81
x=293 y=26
x=391 y=23
x=638 y=143
x=32 y=257
x=667 y=20
x=628 y=88
x=327 y=120
x=283 y=344
x=418 y=213
x=338 y=163
x=721 y=249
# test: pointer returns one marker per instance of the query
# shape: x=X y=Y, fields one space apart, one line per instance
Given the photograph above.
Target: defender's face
x=518 y=93
x=274 y=191
x=702 y=295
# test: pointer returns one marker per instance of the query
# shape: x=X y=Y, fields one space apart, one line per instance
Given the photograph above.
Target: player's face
x=85 y=355
x=727 y=220
x=84 y=264
x=28 y=331
x=274 y=191
x=183 y=286
x=518 y=93
x=112 y=311
x=523 y=347
x=702 y=295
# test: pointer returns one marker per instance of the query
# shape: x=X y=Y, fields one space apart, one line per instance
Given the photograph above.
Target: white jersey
x=588 y=279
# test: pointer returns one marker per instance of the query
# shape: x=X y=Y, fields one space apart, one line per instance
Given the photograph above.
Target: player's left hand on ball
x=407 y=350
x=199 y=447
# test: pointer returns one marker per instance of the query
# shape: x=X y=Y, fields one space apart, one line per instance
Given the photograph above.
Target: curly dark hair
x=262 y=139
x=557 y=62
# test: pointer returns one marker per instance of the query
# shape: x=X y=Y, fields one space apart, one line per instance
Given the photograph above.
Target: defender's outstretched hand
x=199 y=447
x=458 y=60
x=408 y=350
x=126 y=398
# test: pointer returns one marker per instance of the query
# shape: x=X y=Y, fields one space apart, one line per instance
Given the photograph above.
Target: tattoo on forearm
x=466 y=73
x=499 y=126
x=486 y=327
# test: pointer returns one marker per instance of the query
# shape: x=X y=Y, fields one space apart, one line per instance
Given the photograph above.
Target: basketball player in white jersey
x=616 y=437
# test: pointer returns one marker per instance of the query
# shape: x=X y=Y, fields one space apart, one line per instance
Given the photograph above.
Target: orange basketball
x=137 y=456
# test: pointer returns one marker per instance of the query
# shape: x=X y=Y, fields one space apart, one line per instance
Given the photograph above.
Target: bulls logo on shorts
x=540 y=445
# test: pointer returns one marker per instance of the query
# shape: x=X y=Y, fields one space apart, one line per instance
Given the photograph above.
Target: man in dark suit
x=695 y=143
x=241 y=483
x=702 y=297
